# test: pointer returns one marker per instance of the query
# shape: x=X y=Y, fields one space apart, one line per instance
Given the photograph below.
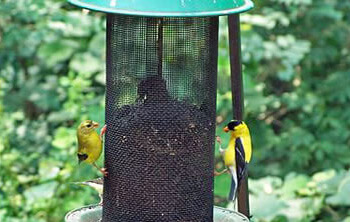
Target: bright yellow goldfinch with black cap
x=238 y=154
x=89 y=144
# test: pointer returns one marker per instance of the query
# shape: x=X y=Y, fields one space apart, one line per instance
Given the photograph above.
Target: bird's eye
x=88 y=125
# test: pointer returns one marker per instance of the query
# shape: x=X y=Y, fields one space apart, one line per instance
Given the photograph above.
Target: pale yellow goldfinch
x=89 y=144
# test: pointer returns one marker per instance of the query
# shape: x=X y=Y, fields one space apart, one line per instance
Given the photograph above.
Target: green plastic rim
x=167 y=8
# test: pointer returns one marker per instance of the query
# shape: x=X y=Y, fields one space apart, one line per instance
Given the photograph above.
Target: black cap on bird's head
x=232 y=125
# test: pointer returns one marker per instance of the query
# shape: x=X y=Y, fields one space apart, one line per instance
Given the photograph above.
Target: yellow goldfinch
x=96 y=184
x=89 y=144
x=238 y=153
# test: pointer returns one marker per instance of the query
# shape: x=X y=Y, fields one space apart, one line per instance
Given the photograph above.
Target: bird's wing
x=241 y=163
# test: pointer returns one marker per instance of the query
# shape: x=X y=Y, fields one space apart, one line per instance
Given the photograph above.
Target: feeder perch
x=93 y=213
x=160 y=106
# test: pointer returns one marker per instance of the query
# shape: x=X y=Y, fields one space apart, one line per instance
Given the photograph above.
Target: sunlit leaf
x=266 y=206
x=341 y=198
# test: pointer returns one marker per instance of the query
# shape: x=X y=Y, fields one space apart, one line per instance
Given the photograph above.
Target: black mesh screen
x=160 y=115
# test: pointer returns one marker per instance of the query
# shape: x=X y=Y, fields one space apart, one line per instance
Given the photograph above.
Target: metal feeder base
x=93 y=213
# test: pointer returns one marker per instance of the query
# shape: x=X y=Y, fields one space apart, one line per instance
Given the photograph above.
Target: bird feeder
x=160 y=105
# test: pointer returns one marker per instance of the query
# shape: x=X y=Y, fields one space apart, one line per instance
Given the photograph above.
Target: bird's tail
x=234 y=184
x=81 y=183
x=91 y=183
x=96 y=184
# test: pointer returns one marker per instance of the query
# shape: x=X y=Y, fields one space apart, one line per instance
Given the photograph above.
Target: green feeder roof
x=167 y=8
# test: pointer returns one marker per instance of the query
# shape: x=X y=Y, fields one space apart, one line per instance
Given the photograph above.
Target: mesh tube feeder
x=161 y=106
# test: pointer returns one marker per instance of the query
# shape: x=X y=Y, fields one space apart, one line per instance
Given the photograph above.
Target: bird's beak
x=95 y=124
x=226 y=129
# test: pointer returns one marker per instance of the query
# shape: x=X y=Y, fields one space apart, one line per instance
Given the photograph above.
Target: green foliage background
x=296 y=56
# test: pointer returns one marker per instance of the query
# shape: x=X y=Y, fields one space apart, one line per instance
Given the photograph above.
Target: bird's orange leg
x=218 y=139
x=103 y=131
x=222 y=151
x=102 y=170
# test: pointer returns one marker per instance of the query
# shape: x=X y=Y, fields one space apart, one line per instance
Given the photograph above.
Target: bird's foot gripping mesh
x=160 y=114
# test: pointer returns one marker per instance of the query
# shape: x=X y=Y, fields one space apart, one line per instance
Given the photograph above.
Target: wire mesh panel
x=160 y=115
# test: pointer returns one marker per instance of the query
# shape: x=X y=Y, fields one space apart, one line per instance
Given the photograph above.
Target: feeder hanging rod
x=237 y=97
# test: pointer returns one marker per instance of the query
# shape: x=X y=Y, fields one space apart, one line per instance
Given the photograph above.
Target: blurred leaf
x=48 y=169
x=97 y=45
x=266 y=206
x=342 y=196
x=39 y=192
x=64 y=138
x=347 y=219
x=300 y=210
x=266 y=185
x=86 y=63
x=328 y=181
x=292 y=184
x=58 y=51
